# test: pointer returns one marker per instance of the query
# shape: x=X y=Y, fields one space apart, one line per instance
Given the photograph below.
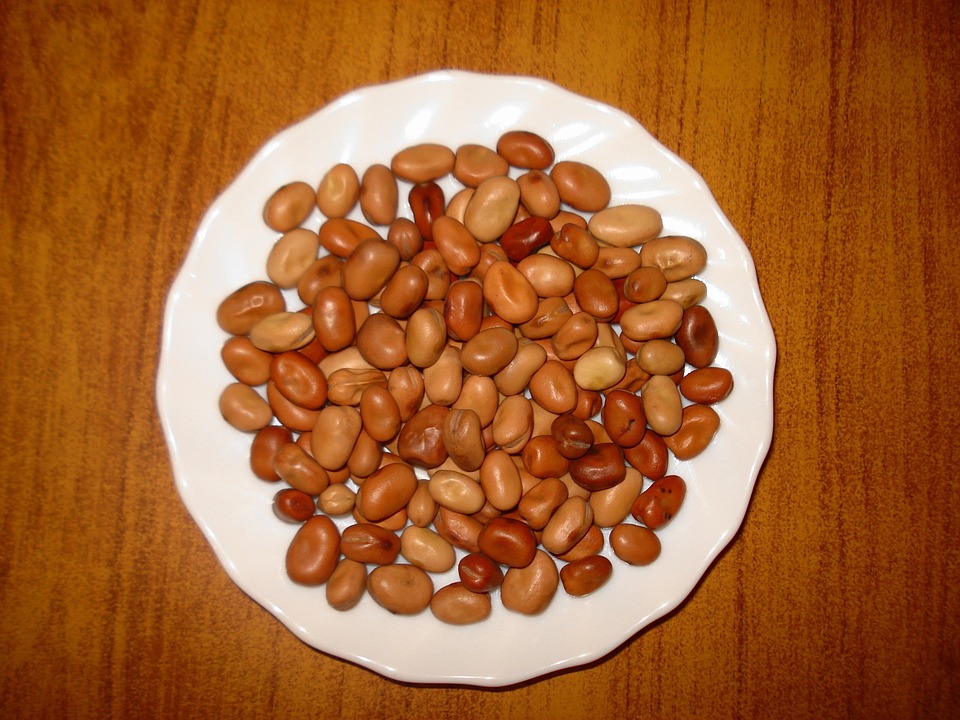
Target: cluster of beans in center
x=492 y=382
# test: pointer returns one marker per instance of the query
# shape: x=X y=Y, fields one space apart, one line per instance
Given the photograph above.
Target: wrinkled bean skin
x=586 y=575
x=475 y=163
x=662 y=404
x=420 y=441
x=650 y=456
x=293 y=506
x=313 y=553
x=369 y=544
x=244 y=408
x=508 y=542
x=299 y=469
x=492 y=208
x=542 y=458
x=655 y=319
x=386 y=491
x=333 y=319
x=706 y=386
x=299 y=380
x=423 y=162
x=458 y=529
x=698 y=426
x=581 y=186
x=687 y=292
x=346 y=385
x=660 y=502
x=513 y=423
x=463 y=438
x=338 y=191
x=334 y=435
x=479 y=573
x=515 y=377
x=404 y=292
x=623 y=418
x=264 y=449
x=479 y=394
x=291 y=255
x=456 y=604
x=245 y=307
x=337 y=500
x=282 y=331
x=379 y=195
x=457 y=246
x=524 y=149
x=551 y=314
x=346 y=585
x=426 y=201
x=617 y=263
x=405 y=384
x=677 y=257
x=529 y=590
x=323 y=272
x=289 y=206
x=697 y=336
x=635 y=544
x=369 y=267
x=601 y=467
x=526 y=237
x=577 y=335
x=576 y=245
x=401 y=589
x=571 y=435
x=626 y=225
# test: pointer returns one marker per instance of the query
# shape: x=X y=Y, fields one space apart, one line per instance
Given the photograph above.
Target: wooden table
x=828 y=133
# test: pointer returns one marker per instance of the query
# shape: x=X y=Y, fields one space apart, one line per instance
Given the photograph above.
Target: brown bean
x=426 y=201
x=379 y=413
x=542 y=458
x=333 y=319
x=426 y=549
x=617 y=263
x=586 y=575
x=581 y=186
x=525 y=237
x=697 y=336
x=297 y=468
x=551 y=314
x=554 y=388
x=382 y=342
x=426 y=337
x=489 y=351
x=463 y=309
x=508 y=542
x=644 y=284
x=405 y=384
x=677 y=257
x=406 y=237
x=698 y=426
x=458 y=247
x=539 y=194
x=538 y=504
x=369 y=267
x=263 y=450
x=282 y=331
x=660 y=357
x=492 y=208
x=601 y=467
x=707 y=385
x=289 y=414
x=404 y=292
x=612 y=506
x=401 y=589
x=688 y=292
x=623 y=418
x=244 y=408
x=662 y=404
x=529 y=590
x=500 y=480
x=313 y=553
x=626 y=225
x=572 y=436
x=479 y=394
x=422 y=508
x=245 y=307
x=369 y=544
x=576 y=245
x=423 y=162
x=346 y=385
x=334 y=435
x=455 y=491
x=660 y=502
x=386 y=491
x=443 y=380
x=458 y=605
x=650 y=456
x=379 y=195
x=655 y=319
x=479 y=573
x=599 y=368
x=513 y=423
x=291 y=255
x=420 y=441
x=509 y=294
x=567 y=526
x=346 y=585
x=458 y=529
x=596 y=294
x=515 y=377
x=365 y=458
x=322 y=272
x=299 y=380
x=463 y=439
x=475 y=163
x=336 y=500
x=245 y=361
x=293 y=506
x=338 y=191
x=289 y=206
x=341 y=236
x=635 y=544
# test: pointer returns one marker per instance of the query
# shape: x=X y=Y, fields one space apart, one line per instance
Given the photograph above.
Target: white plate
x=232 y=507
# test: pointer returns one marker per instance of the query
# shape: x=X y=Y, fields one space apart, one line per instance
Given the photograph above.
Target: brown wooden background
x=828 y=132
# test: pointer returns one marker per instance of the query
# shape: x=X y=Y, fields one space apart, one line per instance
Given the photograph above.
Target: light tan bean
x=550 y=276
x=515 y=377
x=635 y=544
x=443 y=380
x=282 y=331
x=338 y=191
x=500 y=480
x=291 y=255
x=456 y=491
x=655 y=319
x=479 y=393
x=688 y=292
x=492 y=208
x=660 y=357
x=244 y=408
x=581 y=186
x=401 y=589
x=567 y=526
x=676 y=256
x=612 y=506
x=626 y=225
x=530 y=589
x=599 y=368
x=423 y=162
x=539 y=194
x=455 y=604
x=369 y=267
x=475 y=163
x=662 y=404
x=334 y=434
x=336 y=500
x=509 y=294
x=426 y=337
x=424 y=548
x=513 y=423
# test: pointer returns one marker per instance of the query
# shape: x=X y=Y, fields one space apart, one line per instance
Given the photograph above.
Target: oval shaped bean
x=333 y=319
x=613 y=505
x=539 y=502
x=655 y=319
x=334 y=435
x=525 y=149
x=341 y=236
x=245 y=361
x=576 y=245
x=369 y=544
x=264 y=449
x=323 y=272
x=626 y=225
x=463 y=439
x=346 y=585
x=386 y=491
x=479 y=573
x=245 y=307
x=423 y=162
x=426 y=337
x=635 y=544
x=601 y=467
x=406 y=237
x=687 y=292
x=650 y=456
x=456 y=491
x=529 y=590
x=697 y=336
x=513 y=423
x=379 y=413
x=299 y=469
x=525 y=237
x=443 y=380
x=401 y=589
x=244 y=408
x=426 y=549
x=677 y=257
x=551 y=314
x=369 y=267
x=586 y=575
x=313 y=553
x=289 y=206
x=458 y=605
x=479 y=394
x=660 y=502
x=508 y=542
x=489 y=351
x=500 y=480
x=293 y=506
x=662 y=404
x=660 y=357
x=539 y=194
x=282 y=331
x=426 y=203
x=338 y=191
x=581 y=186
x=291 y=255
x=299 y=380
x=623 y=418
x=509 y=294
x=698 y=426
x=337 y=500
x=379 y=195
x=382 y=342
x=492 y=208
x=706 y=386
x=475 y=163
x=420 y=441
x=567 y=526
x=404 y=292
x=599 y=368
x=553 y=388
x=596 y=294
x=405 y=384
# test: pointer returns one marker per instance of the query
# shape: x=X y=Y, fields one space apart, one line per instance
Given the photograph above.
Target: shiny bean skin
x=386 y=491
x=337 y=500
x=599 y=368
x=443 y=380
x=463 y=309
x=422 y=508
x=601 y=467
x=423 y=162
x=515 y=377
x=617 y=263
x=677 y=257
x=379 y=195
x=524 y=149
x=650 y=456
x=660 y=357
x=550 y=276
x=463 y=439
x=313 y=553
x=479 y=394
x=489 y=351
x=282 y=331
x=289 y=206
x=333 y=319
x=525 y=237
x=492 y=208
x=538 y=504
x=586 y=575
x=479 y=573
x=577 y=335
x=687 y=292
x=426 y=549
x=244 y=408
x=572 y=436
x=369 y=544
x=655 y=319
x=513 y=423
x=291 y=255
x=635 y=544
x=623 y=418
x=338 y=191
x=346 y=585
x=626 y=225
x=341 y=236
x=245 y=307
x=245 y=361
x=707 y=385
x=420 y=441
x=660 y=502
x=581 y=186
x=401 y=589
x=554 y=388
x=369 y=267
x=406 y=237
x=456 y=604
x=299 y=380
x=405 y=384
x=509 y=294
x=457 y=246
x=458 y=529
x=346 y=385
x=323 y=272
x=500 y=480
x=596 y=294
x=576 y=245
x=287 y=413
x=334 y=435
x=551 y=314
x=426 y=337
x=299 y=469
x=612 y=506
x=697 y=336
x=508 y=542
x=529 y=590
x=475 y=163
x=365 y=458
x=644 y=284
x=379 y=413
x=698 y=426
x=542 y=459
x=567 y=526
x=426 y=200
x=539 y=194
x=662 y=404
x=404 y=292
x=456 y=491
x=382 y=342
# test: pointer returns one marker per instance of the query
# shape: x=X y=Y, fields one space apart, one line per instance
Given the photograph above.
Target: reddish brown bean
x=635 y=544
x=508 y=542
x=378 y=195
x=386 y=491
x=313 y=553
x=401 y=589
x=586 y=575
x=698 y=426
x=697 y=336
x=623 y=418
x=479 y=573
x=245 y=307
x=426 y=202
x=293 y=506
x=659 y=503
x=601 y=467
x=369 y=544
x=707 y=386
x=524 y=149
x=263 y=450
x=289 y=206
x=526 y=237
x=420 y=441
x=404 y=292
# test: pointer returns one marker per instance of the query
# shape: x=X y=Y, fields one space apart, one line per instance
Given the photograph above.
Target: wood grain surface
x=828 y=132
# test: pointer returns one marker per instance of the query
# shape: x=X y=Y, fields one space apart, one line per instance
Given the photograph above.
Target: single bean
x=553 y=387
x=426 y=201
x=626 y=225
x=513 y=423
x=369 y=544
x=291 y=255
x=687 y=292
x=551 y=314
x=299 y=380
x=599 y=368
x=456 y=604
x=635 y=544
x=379 y=195
x=662 y=404
x=289 y=206
x=426 y=337
x=617 y=263
x=475 y=163
x=404 y=292
x=650 y=456
x=677 y=257
x=406 y=237
x=337 y=500
x=489 y=351
x=379 y=413
x=529 y=590
x=514 y=378
x=539 y=194
x=423 y=162
x=509 y=294
x=333 y=319
x=586 y=575
x=698 y=426
x=524 y=149
x=492 y=208
x=405 y=384
x=500 y=480
x=245 y=361
x=346 y=585
x=456 y=491
x=612 y=506
x=623 y=418
x=369 y=267
x=386 y=491
x=401 y=589
x=458 y=529
x=299 y=469
x=660 y=502
x=382 y=342
x=426 y=549
x=244 y=408
x=655 y=319
x=508 y=542
x=538 y=504
x=581 y=186
x=334 y=435
x=323 y=272
x=338 y=191
x=479 y=393
x=313 y=553
x=245 y=307
x=707 y=385
x=289 y=414
x=526 y=237
x=596 y=294
x=601 y=467
x=340 y=236
x=576 y=245
x=365 y=458
x=443 y=380
x=697 y=336
x=479 y=573
x=567 y=526
x=293 y=506
x=420 y=441
x=463 y=439
x=660 y=357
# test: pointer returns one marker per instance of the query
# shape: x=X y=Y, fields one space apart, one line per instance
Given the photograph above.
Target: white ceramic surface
x=232 y=507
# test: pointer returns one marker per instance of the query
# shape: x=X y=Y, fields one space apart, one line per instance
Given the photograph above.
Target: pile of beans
x=496 y=385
